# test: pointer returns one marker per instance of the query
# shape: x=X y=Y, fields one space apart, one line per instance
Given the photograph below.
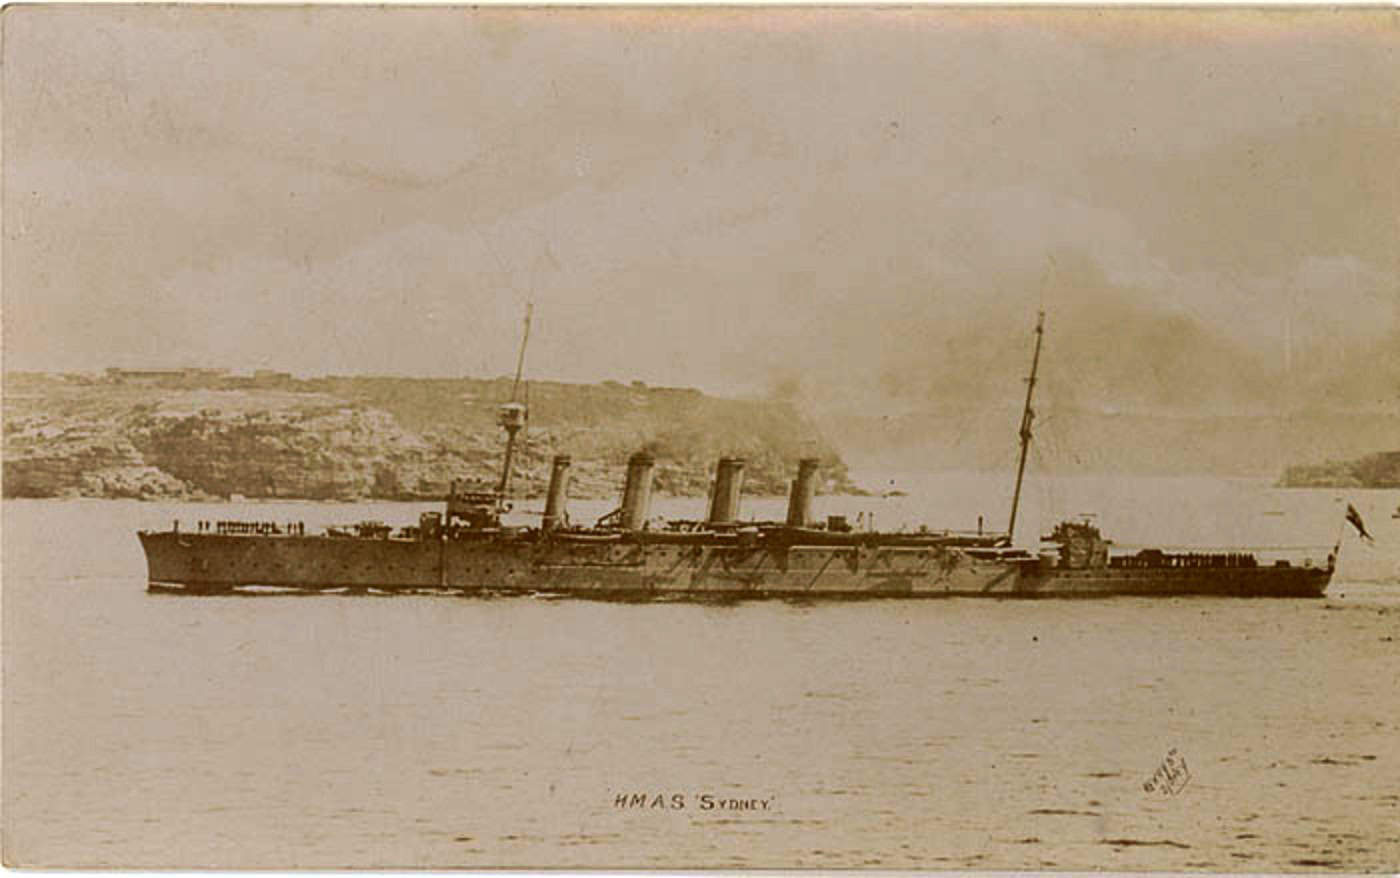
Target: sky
x=858 y=205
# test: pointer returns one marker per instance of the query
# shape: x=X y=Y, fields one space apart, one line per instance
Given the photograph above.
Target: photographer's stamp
x=1171 y=776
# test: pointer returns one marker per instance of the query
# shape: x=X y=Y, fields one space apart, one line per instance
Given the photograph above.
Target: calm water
x=148 y=730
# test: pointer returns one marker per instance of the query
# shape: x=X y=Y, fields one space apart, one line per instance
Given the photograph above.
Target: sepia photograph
x=956 y=439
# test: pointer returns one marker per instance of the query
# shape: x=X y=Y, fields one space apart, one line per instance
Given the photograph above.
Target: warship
x=468 y=547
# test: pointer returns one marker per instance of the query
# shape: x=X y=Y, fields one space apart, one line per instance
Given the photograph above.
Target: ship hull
x=1287 y=582
x=660 y=566
x=623 y=567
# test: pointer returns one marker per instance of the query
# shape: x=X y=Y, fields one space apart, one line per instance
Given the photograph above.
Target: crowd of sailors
x=250 y=528
x=1186 y=559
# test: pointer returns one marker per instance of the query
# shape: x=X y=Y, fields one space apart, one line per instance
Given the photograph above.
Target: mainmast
x=1027 y=415
x=513 y=415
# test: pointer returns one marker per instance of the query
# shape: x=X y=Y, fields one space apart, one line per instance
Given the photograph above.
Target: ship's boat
x=468 y=548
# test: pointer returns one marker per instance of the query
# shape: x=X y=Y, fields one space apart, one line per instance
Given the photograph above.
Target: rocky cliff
x=382 y=438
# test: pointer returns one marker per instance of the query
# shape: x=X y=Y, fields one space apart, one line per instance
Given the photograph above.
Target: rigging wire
x=520 y=360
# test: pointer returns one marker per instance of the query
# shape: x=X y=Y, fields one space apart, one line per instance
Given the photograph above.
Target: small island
x=1379 y=470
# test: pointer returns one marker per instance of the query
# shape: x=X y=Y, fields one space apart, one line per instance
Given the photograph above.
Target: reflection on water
x=339 y=730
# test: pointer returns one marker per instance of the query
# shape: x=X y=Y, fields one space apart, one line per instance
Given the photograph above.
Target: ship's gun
x=1081 y=545
x=372 y=530
x=475 y=509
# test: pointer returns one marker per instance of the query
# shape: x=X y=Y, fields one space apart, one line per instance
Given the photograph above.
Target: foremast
x=514 y=414
x=1027 y=416
x=478 y=509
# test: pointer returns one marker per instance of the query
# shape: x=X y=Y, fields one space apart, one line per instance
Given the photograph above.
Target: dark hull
x=1282 y=582
x=665 y=565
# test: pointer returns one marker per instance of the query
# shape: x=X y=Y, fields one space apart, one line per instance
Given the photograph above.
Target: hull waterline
x=654 y=566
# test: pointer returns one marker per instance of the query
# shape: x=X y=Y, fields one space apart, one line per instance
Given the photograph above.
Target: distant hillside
x=1381 y=470
x=209 y=435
